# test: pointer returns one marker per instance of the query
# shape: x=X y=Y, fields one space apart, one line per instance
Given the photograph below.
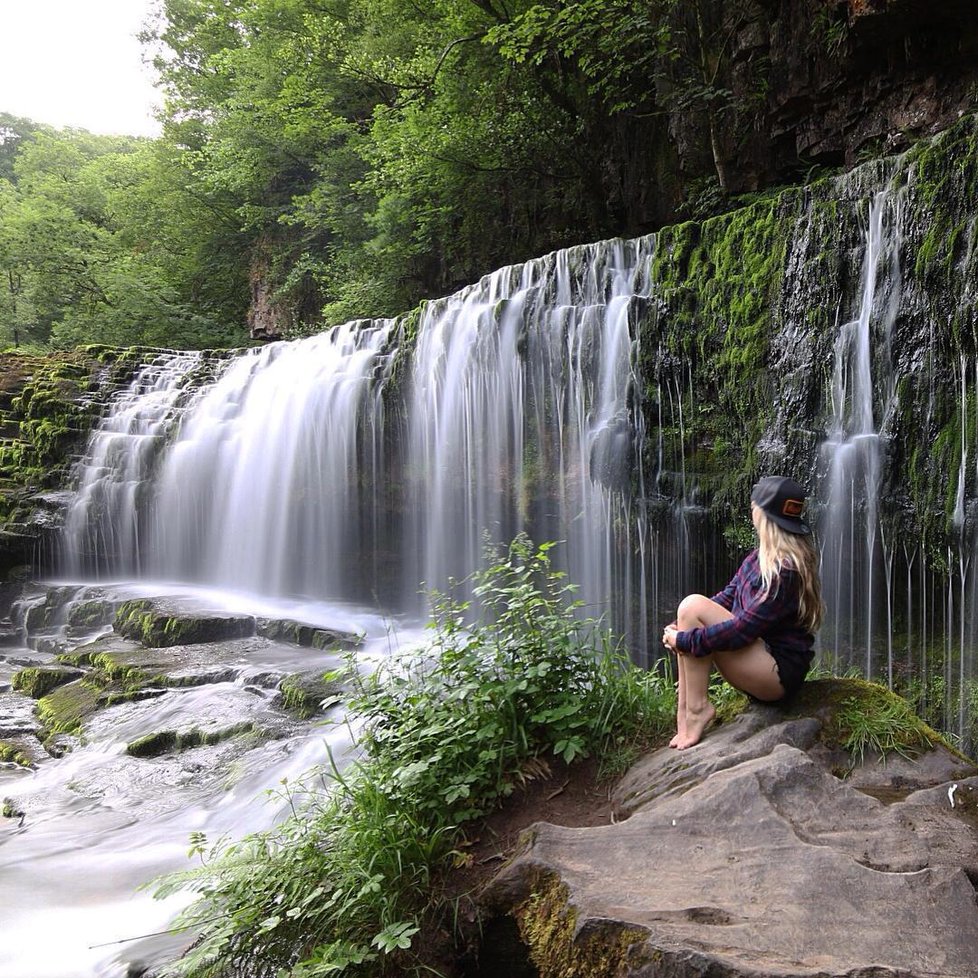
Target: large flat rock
x=746 y=856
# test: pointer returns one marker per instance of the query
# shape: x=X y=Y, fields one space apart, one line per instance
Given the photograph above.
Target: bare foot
x=696 y=725
x=680 y=734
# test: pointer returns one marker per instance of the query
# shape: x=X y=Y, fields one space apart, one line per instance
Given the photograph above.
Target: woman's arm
x=754 y=621
x=725 y=598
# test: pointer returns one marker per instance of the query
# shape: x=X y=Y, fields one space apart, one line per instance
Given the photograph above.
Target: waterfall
x=570 y=397
x=522 y=417
x=323 y=469
x=270 y=479
x=854 y=546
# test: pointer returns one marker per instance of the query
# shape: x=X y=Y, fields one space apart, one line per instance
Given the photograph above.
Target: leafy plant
x=346 y=885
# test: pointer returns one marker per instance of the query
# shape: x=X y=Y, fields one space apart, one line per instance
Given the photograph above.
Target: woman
x=759 y=630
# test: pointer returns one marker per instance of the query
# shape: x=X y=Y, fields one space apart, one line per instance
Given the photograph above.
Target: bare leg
x=680 y=701
x=751 y=669
x=699 y=710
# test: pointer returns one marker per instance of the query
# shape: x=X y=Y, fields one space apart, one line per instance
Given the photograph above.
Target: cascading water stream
x=103 y=532
x=522 y=418
x=270 y=483
x=852 y=537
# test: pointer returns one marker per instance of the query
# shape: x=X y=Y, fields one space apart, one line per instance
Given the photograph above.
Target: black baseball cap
x=782 y=500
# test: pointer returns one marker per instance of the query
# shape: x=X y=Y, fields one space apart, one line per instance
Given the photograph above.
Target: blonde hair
x=778 y=548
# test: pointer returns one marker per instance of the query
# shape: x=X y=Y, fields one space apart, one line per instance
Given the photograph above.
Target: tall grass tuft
x=345 y=885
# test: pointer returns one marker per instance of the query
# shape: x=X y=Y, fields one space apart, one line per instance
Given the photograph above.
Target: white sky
x=77 y=63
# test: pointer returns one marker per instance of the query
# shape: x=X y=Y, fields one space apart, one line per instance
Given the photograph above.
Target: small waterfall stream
x=853 y=539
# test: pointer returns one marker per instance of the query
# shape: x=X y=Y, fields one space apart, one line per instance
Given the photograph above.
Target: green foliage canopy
x=105 y=239
x=322 y=161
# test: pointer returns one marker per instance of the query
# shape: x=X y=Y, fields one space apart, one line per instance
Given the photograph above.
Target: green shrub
x=345 y=884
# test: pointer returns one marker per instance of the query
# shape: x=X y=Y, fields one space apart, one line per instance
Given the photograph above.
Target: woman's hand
x=669 y=638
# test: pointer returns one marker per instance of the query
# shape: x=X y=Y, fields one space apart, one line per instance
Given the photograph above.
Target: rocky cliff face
x=755 y=317
x=815 y=83
x=48 y=405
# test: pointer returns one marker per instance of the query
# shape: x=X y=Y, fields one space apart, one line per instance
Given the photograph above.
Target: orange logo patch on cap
x=792 y=507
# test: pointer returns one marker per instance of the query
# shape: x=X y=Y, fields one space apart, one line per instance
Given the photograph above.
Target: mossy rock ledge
x=158 y=627
x=757 y=854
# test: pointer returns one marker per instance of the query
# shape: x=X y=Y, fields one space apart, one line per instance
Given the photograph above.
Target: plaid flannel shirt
x=769 y=615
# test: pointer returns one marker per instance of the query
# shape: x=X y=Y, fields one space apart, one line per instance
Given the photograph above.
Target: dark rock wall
x=817 y=83
x=746 y=318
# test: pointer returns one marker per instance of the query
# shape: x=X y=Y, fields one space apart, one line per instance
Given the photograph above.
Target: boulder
x=749 y=856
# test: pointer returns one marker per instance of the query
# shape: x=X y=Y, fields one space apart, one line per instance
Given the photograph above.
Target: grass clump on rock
x=349 y=884
x=865 y=719
x=885 y=725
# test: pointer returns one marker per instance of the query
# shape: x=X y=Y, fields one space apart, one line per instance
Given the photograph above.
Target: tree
x=105 y=239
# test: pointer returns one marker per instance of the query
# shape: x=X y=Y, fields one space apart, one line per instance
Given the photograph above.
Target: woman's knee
x=691 y=608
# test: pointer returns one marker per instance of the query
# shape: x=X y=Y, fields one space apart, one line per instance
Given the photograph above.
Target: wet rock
x=57 y=745
x=38 y=681
x=135 y=665
x=305 y=635
x=17 y=716
x=10 y=636
x=747 y=856
x=158 y=626
x=25 y=751
x=306 y=694
x=45 y=607
x=170 y=741
x=91 y=614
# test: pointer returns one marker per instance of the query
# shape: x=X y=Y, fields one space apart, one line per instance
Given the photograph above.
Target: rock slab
x=746 y=857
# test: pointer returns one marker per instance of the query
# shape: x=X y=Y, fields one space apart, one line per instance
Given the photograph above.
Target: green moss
x=76 y=657
x=152 y=745
x=600 y=949
x=47 y=410
x=304 y=695
x=706 y=342
x=168 y=741
x=38 y=681
x=65 y=709
x=109 y=671
x=9 y=810
x=15 y=753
